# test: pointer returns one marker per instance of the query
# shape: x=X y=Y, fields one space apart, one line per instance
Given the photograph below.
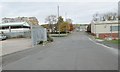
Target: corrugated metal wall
x=38 y=34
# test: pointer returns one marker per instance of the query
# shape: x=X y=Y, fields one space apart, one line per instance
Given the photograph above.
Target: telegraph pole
x=58 y=19
x=66 y=20
x=111 y=31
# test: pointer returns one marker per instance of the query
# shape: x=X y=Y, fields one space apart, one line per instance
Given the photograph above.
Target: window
x=114 y=28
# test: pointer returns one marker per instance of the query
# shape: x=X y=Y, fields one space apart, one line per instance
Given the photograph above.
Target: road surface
x=75 y=52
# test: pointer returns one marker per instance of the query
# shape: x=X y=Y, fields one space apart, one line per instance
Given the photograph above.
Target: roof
x=106 y=22
x=14 y=24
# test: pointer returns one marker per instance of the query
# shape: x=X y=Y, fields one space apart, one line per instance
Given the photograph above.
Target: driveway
x=13 y=45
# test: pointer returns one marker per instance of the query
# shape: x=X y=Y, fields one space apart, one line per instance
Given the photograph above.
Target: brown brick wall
x=106 y=35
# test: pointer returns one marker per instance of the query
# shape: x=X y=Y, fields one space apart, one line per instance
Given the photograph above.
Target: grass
x=115 y=41
x=98 y=38
x=111 y=41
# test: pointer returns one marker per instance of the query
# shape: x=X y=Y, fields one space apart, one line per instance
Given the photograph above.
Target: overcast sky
x=79 y=12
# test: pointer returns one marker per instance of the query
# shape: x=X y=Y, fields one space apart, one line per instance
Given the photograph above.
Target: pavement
x=109 y=44
x=74 y=52
x=14 y=45
x=104 y=42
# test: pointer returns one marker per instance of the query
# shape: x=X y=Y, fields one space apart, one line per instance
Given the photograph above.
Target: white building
x=105 y=29
x=14 y=29
x=83 y=27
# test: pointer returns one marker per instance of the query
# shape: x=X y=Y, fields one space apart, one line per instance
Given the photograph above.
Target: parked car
x=2 y=37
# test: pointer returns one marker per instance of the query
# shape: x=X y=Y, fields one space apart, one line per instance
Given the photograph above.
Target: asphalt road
x=75 y=52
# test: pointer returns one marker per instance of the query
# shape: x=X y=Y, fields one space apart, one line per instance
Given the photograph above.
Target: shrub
x=50 y=39
x=41 y=42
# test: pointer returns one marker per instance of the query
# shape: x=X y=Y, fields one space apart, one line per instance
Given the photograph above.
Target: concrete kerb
x=100 y=42
x=57 y=35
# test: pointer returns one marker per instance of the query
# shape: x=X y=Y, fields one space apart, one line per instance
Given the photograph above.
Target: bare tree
x=51 y=19
x=109 y=16
x=95 y=17
x=69 y=20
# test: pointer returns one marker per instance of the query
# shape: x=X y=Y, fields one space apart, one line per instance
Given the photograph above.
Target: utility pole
x=58 y=19
x=111 y=31
x=66 y=20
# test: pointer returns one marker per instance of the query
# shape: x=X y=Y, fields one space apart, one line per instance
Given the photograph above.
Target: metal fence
x=25 y=34
x=38 y=34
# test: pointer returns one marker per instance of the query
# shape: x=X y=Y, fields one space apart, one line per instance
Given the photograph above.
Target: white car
x=2 y=37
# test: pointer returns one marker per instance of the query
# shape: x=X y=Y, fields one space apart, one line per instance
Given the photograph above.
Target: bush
x=41 y=42
x=49 y=38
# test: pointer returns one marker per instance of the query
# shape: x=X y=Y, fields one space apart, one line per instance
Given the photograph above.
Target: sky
x=79 y=12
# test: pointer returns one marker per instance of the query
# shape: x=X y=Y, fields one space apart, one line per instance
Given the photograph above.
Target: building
x=33 y=20
x=14 y=29
x=83 y=27
x=24 y=30
x=105 y=29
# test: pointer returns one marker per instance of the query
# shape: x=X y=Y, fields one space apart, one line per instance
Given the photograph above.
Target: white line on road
x=112 y=49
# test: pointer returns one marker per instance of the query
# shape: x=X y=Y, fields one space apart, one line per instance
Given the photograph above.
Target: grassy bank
x=110 y=41
x=115 y=41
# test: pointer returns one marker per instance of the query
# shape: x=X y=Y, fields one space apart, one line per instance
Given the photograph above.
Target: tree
x=45 y=26
x=71 y=27
x=95 y=17
x=109 y=16
x=64 y=27
x=69 y=20
x=59 y=22
x=70 y=24
x=33 y=20
x=51 y=19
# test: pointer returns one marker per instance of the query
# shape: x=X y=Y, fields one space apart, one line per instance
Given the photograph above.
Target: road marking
x=110 y=48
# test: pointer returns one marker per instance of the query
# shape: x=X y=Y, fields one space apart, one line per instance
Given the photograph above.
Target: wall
x=93 y=28
x=105 y=28
x=15 y=30
x=108 y=35
x=26 y=34
x=38 y=34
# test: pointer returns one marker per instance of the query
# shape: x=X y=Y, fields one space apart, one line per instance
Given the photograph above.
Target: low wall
x=108 y=35
x=58 y=35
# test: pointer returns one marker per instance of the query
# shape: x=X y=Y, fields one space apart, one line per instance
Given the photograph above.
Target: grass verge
x=114 y=41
